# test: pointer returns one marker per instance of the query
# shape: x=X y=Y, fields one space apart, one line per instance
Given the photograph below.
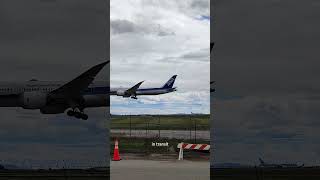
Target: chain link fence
x=189 y=127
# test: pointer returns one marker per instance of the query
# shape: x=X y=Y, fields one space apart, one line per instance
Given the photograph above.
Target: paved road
x=54 y=175
x=160 y=170
x=178 y=134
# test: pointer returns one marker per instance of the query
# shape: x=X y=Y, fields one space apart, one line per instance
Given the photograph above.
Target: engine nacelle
x=33 y=100
x=122 y=93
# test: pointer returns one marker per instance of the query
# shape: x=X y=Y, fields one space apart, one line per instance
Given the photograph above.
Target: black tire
x=78 y=115
x=70 y=113
x=84 y=117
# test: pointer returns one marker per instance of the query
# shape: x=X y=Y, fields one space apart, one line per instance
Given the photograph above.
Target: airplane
x=57 y=97
x=212 y=89
x=211 y=46
x=267 y=165
x=134 y=91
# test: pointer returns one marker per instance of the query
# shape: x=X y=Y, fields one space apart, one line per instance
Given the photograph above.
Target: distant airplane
x=211 y=46
x=55 y=97
x=267 y=165
x=135 y=91
x=212 y=89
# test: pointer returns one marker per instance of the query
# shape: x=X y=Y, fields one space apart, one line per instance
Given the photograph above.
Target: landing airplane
x=56 y=97
x=134 y=91
x=212 y=89
x=267 y=165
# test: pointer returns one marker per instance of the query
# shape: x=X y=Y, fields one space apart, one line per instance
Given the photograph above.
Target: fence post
x=195 y=131
x=159 y=125
x=130 y=124
x=190 y=127
x=146 y=129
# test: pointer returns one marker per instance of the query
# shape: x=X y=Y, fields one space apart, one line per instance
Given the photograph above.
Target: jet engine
x=33 y=100
x=122 y=93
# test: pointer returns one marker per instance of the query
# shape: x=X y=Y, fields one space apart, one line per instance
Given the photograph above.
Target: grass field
x=163 y=122
x=144 y=146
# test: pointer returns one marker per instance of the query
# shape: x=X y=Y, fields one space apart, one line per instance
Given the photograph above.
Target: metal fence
x=191 y=127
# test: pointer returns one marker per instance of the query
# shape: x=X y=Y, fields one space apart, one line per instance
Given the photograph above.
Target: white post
x=181 y=152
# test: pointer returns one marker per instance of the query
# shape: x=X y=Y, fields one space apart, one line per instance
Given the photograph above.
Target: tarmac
x=160 y=170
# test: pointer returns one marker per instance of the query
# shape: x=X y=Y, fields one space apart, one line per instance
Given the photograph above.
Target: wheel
x=84 y=116
x=70 y=113
x=78 y=115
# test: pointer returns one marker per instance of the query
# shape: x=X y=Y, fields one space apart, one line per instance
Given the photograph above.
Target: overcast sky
x=152 y=40
x=52 y=40
x=266 y=67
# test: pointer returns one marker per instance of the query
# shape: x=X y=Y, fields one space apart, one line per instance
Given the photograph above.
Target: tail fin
x=170 y=82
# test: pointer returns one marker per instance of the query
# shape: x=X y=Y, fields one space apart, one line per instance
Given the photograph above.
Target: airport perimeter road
x=178 y=134
x=160 y=170
x=53 y=174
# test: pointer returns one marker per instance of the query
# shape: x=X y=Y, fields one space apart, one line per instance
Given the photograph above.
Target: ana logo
x=170 y=81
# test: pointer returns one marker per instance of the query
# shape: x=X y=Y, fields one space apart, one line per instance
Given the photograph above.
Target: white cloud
x=153 y=40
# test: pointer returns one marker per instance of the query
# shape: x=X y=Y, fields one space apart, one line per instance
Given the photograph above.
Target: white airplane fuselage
x=54 y=97
x=135 y=91
x=33 y=95
x=145 y=91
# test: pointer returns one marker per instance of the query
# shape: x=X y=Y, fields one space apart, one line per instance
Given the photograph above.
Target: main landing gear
x=134 y=97
x=77 y=114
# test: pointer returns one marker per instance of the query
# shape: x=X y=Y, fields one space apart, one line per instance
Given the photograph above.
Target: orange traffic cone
x=116 y=155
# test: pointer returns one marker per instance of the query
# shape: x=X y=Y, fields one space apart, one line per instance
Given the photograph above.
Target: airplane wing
x=132 y=91
x=80 y=83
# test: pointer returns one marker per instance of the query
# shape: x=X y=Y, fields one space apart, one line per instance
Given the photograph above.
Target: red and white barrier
x=182 y=146
x=204 y=147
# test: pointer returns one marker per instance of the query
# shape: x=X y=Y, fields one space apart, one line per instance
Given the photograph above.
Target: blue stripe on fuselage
x=96 y=90
x=148 y=89
x=106 y=90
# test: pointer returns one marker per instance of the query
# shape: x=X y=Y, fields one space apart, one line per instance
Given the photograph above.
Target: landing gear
x=77 y=114
x=71 y=113
x=134 y=97
x=84 y=116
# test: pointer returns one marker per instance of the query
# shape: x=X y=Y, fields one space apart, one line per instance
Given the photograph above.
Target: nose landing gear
x=77 y=114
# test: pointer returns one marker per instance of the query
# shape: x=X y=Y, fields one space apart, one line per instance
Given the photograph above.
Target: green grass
x=144 y=145
x=163 y=122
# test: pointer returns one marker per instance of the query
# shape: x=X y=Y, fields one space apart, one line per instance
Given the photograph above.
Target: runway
x=159 y=170
x=70 y=174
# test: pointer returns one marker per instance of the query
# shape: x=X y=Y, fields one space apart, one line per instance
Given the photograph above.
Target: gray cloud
x=122 y=26
x=52 y=40
x=125 y=26
x=259 y=121
x=153 y=40
x=265 y=68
